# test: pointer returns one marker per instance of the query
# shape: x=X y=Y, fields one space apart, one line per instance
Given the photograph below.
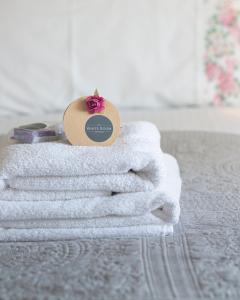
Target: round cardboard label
x=99 y=128
x=91 y=129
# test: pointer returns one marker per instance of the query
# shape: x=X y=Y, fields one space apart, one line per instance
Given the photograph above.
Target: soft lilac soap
x=34 y=133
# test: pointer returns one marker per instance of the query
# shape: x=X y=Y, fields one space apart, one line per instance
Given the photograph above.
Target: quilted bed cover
x=200 y=260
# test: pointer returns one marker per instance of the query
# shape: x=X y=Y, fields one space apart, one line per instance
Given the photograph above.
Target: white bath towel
x=51 y=234
x=128 y=214
x=132 y=164
x=22 y=195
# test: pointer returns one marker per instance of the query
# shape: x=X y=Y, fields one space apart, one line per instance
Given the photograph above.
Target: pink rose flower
x=235 y=31
x=228 y=16
x=95 y=104
x=212 y=71
x=231 y=63
x=226 y=82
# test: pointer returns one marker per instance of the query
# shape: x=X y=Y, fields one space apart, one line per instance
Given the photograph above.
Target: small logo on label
x=99 y=128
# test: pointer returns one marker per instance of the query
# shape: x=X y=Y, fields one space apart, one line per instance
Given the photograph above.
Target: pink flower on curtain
x=212 y=71
x=222 y=60
x=226 y=82
x=235 y=31
x=227 y=16
x=230 y=64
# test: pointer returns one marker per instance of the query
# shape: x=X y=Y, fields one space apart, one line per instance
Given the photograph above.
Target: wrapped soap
x=37 y=133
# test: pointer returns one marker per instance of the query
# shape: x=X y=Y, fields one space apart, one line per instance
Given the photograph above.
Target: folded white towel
x=42 y=234
x=132 y=164
x=127 y=214
x=22 y=195
x=55 y=190
x=102 y=222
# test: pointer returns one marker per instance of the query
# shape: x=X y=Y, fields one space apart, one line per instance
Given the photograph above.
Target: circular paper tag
x=98 y=129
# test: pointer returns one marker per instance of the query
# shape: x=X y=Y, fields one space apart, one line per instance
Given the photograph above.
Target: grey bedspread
x=201 y=259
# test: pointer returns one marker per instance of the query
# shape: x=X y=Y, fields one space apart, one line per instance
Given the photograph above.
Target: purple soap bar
x=34 y=133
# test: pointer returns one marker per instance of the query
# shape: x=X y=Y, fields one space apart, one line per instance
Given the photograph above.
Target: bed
x=169 y=70
x=201 y=258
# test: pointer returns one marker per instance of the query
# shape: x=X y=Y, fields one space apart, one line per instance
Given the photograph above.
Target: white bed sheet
x=201 y=119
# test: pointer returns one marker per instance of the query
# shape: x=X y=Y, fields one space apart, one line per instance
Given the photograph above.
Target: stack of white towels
x=54 y=190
